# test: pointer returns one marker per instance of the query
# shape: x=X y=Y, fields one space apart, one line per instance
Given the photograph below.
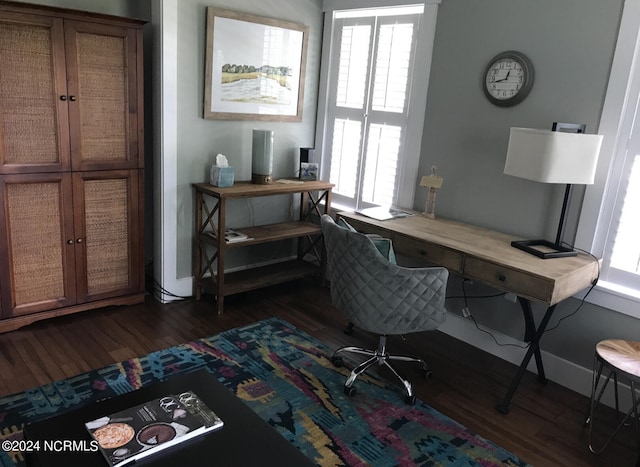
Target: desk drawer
x=434 y=254
x=520 y=283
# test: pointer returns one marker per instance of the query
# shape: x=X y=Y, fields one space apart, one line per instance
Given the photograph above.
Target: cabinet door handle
x=79 y=240
x=502 y=277
x=70 y=242
x=72 y=98
x=63 y=98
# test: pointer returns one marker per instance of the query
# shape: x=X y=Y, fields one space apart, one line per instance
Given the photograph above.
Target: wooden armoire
x=71 y=162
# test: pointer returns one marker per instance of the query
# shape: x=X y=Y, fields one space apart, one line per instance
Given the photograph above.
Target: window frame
x=408 y=164
x=616 y=123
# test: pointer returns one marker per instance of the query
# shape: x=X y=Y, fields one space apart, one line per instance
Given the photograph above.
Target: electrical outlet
x=465 y=312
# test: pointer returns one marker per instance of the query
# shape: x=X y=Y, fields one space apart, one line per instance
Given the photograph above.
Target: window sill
x=615 y=297
x=337 y=207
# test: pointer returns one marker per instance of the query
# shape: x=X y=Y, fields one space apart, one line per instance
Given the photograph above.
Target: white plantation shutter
x=369 y=82
x=609 y=225
x=354 y=63
x=621 y=234
x=393 y=62
x=622 y=249
x=381 y=163
x=344 y=169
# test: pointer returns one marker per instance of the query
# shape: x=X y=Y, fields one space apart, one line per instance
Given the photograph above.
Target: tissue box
x=221 y=176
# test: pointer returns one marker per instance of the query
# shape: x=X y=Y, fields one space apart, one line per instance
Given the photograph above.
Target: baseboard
x=558 y=370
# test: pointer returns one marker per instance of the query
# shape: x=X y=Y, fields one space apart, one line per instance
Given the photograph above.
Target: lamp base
x=261 y=179
x=544 y=249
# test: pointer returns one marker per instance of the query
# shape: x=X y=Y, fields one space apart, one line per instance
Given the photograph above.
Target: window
x=610 y=223
x=622 y=246
x=369 y=144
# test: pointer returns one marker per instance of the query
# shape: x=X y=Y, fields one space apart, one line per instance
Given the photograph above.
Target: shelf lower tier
x=263 y=276
x=268 y=233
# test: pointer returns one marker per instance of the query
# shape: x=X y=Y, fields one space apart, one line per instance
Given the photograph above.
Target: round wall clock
x=508 y=78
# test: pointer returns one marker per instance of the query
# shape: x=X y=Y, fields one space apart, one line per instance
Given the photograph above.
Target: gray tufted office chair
x=381 y=297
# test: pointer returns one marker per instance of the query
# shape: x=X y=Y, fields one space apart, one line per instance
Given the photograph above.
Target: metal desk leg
x=534 y=348
x=529 y=335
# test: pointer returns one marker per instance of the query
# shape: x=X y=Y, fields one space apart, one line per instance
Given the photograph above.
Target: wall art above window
x=254 y=67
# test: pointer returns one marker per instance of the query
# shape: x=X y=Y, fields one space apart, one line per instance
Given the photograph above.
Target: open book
x=145 y=429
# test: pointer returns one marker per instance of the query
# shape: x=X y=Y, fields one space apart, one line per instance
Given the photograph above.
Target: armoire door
x=109 y=253
x=105 y=96
x=34 y=127
x=37 y=246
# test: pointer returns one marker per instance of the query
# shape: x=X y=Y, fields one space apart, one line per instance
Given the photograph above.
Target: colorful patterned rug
x=286 y=377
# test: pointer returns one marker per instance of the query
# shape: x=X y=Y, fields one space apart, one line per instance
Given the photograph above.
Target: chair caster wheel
x=410 y=400
x=427 y=374
x=337 y=362
x=350 y=391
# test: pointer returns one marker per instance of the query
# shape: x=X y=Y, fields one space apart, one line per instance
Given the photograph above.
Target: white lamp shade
x=552 y=156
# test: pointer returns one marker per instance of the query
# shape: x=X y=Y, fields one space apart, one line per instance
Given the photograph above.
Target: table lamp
x=563 y=155
x=262 y=157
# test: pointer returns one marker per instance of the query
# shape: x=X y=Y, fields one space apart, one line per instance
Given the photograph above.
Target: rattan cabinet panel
x=71 y=162
x=103 y=96
x=34 y=129
x=38 y=266
x=70 y=239
x=108 y=227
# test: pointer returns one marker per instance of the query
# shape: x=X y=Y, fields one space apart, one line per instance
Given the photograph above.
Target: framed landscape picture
x=254 y=67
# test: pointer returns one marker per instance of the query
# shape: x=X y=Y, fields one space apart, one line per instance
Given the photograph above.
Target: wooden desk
x=487 y=256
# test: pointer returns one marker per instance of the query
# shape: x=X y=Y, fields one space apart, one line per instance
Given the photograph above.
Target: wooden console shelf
x=210 y=221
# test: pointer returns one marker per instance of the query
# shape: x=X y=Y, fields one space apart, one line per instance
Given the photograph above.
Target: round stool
x=621 y=358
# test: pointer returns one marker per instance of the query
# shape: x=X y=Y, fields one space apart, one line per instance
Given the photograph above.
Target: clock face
x=508 y=79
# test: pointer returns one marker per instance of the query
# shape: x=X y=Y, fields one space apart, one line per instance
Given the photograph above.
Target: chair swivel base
x=380 y=357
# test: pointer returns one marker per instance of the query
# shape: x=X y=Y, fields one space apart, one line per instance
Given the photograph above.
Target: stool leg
x=594 y=386
x=632 y=411
x=635 y=414
x=615 y=382
x=635 y=405
x=595 y=400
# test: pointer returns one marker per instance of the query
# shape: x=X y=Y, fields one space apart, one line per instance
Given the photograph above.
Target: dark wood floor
x=544 y=426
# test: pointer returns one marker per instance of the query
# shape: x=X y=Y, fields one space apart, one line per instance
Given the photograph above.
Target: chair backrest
x=375 y=294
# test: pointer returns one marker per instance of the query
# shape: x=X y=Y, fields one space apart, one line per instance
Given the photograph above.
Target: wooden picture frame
x=254 y=67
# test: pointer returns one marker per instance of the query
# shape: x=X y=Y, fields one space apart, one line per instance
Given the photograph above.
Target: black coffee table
x=244 y=440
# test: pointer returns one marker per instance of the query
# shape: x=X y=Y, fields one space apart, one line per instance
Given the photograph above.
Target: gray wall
x=200 y=140
x=571 y=45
